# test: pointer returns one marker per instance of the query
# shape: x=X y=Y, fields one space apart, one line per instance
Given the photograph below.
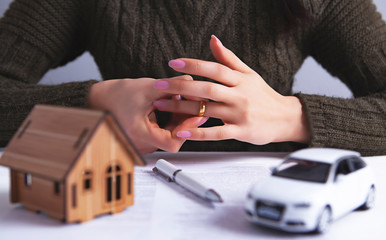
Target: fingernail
x=203 y=120
x=176 y=63
x=184 y=134
x=159 y=104
x=160 y=84
x=218 y=40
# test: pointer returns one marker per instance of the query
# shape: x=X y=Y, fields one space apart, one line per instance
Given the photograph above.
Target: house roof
x=51 y=139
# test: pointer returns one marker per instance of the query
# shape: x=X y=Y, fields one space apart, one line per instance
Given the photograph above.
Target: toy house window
x=129 y=183
x=73 y=189
x=56 y=188
x=27 y=179
x=113 y=182
x=87 y=180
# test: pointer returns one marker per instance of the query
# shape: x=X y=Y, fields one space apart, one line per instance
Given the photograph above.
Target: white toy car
x=310 y=188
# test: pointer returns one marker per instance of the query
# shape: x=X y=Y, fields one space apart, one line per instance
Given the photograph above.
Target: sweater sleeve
x=349 y=40
x=35 y=36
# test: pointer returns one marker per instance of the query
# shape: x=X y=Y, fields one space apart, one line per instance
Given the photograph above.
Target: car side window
x=343 y=168
x=357 y=163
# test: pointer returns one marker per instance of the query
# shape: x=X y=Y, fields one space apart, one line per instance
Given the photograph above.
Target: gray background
x=310 y=79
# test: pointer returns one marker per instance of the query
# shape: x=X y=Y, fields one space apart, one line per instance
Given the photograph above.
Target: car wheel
x=324 y=221
x=370 y=199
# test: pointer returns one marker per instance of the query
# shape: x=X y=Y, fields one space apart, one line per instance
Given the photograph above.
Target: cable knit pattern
x=136 y=38
x=349 y=40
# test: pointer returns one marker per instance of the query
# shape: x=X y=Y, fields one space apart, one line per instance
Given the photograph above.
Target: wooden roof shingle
x=51 y=139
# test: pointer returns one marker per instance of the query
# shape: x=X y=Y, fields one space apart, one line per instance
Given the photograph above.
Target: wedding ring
x=202 y=108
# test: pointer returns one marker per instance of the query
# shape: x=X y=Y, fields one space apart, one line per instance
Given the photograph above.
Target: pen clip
x=161 y=174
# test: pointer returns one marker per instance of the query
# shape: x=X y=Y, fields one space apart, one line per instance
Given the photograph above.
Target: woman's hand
x=131 y=102
x=250 y=109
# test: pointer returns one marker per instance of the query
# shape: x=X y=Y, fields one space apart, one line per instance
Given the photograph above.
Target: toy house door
x=114 y=187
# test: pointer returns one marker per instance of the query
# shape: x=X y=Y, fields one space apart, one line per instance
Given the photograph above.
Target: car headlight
x=302 y=205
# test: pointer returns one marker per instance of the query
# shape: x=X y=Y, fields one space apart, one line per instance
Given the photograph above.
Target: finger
x=212 y=109
x=163 y=139
x=212 y=70
x=177 y=97
x=195 y=89
x=191 y=122
x=158 y=94
x=182 y=77
x=184 y=121
x=192 y=98
x=227 y=57
x=208 y=134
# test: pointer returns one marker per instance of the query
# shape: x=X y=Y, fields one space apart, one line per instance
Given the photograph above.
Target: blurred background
x=311 y=78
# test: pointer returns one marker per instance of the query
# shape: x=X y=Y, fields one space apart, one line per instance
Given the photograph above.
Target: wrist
x=95 y=95
x=295 y=125
x=92 y=96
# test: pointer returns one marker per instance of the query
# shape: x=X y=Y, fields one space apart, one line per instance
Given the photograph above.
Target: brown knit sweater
x=131 y=39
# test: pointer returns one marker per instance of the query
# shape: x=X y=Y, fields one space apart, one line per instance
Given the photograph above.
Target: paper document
x=166 y=211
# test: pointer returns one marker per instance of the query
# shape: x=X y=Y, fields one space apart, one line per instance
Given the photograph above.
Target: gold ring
x=202 y=108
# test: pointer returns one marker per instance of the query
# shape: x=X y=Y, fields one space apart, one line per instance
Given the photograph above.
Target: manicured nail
x=160 y=84
x=177 y=97
x=159 y=104
x=218 y=40
x=203 y=120
x=176 y=63
x=184 y=134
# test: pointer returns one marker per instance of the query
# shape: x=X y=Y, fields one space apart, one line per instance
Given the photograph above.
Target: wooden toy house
x=73 y=164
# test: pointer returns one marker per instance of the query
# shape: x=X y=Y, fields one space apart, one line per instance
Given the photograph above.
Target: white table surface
x=166 y=211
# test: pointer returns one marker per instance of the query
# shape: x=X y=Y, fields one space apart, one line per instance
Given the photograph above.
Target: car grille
x=269 y=210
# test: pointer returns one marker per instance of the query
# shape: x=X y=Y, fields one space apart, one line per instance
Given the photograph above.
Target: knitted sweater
x=137 y=38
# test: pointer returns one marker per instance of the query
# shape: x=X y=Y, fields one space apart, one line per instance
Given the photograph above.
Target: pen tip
x=213 y=196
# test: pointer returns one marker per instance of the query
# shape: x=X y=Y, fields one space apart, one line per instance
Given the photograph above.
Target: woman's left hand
x=250 y=109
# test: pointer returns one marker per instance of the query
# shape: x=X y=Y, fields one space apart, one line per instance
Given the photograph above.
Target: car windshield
x=303 y=170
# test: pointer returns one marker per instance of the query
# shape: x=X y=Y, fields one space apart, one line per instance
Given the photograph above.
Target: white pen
x=171 y=173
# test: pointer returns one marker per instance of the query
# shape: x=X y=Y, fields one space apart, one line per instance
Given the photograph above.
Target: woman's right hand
x=131 y=102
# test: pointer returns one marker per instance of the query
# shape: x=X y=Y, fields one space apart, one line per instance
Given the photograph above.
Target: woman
x=252 y=96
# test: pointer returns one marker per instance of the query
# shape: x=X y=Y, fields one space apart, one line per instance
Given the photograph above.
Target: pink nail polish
x=159 y=104
x=184 y=134
x=218 y=40
x=160 y=84
x=176 y=63
x=203 y=120
x=178 y=97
